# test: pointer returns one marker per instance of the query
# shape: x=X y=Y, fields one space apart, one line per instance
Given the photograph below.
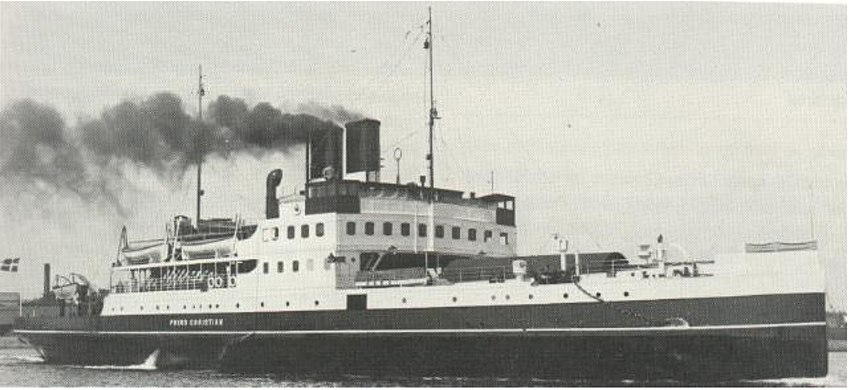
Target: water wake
x=149 y=364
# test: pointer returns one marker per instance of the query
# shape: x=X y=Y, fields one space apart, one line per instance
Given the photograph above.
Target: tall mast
x=201 y=92
x=433 y=114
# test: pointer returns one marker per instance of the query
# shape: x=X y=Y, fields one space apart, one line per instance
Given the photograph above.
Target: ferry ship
x=362 y=276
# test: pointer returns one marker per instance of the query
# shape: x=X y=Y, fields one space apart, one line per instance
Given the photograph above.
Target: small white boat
x=209 y=248
x=151 y=253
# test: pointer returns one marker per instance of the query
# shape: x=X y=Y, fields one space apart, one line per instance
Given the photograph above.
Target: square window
x=279 y=267
x=305 y=231
x=473 y=234
x=351 y=228
x=422 y=230
x=405 y=229
x=290 y=232
x=265 y=268
x=440 y=231
x=455 y=232
x=369 y=228
x=387 y=228
x=504 y=240
x=487 y=235
x=319 y=229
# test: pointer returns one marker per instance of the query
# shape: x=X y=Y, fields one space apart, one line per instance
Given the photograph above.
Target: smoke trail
x=37 y=155
x=155 y=134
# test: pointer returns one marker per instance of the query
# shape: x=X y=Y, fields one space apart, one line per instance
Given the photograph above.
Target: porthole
x=141 y=308
x=493 y=297
x=262 y=304
x=216 y=305
x=168 y=307
x=157 y=307
x=627 y=294
x=598 y=295
x=113 y=309
x=210 y=306
x=287 y=303
x=237 y=305
x=454 y=299
x=531 y=296
x=632 y=274
x=316 y=303
x=565 y=296
x=184 y=307
x=507 y=297
x=403 y=300
x=193 y=306
x=122 y=308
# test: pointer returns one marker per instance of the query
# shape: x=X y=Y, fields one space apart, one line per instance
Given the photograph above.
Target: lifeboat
x=208 y=248
x=151 y=253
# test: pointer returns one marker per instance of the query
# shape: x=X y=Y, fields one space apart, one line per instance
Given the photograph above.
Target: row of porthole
x=185 y=307
x=530 y=296
x=403 y=300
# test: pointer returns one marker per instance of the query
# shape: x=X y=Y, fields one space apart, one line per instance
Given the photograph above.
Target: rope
x=626 y=312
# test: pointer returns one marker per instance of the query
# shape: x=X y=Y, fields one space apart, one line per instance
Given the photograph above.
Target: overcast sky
x=713 y=124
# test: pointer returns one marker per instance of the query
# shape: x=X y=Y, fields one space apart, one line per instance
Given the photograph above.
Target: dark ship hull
x=705 y=339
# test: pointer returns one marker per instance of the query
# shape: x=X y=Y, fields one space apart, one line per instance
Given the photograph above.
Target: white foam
x=149 y=364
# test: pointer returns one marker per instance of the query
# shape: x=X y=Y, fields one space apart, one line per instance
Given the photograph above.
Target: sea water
x=23 y=367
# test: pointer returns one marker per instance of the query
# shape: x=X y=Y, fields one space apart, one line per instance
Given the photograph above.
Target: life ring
x=210 y=282
x=232 y=281
x=219 y=281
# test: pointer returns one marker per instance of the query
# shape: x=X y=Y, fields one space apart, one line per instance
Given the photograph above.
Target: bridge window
x=305 y=231
x=440 y=231
x=473 y=234
x=295 y=266
x=319 y=229
x=310 y=263
x=504 y=239
x=455 y=232
x=369 y=228
x=405 y=229
x=351 y=228
x=290 y=232
x=487 y=235
x=279 y=267
x=422 y=230
x=265 y=268
x=387 y=228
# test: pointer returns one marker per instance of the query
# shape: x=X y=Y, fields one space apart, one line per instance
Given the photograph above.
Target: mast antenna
x=433 y=114
x=201 y=92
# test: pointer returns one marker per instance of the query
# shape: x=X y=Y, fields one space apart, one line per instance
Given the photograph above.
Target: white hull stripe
x=443 y=331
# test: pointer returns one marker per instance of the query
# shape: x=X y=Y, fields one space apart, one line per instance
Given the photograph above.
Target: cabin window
x=440 y=231
x=279 y=267
x=473 y=234
x=351 y=228
x=504 y=239
x=265 y=268
x=319 y=229
x=310 y=264
x=369 y=228
x=422 y=230
x=455 y=232
x=487 y=235
x=305 y=231
x=270 y=234
x=387 y=228
x=295 y=266
x=290 y=232
x=405 y=229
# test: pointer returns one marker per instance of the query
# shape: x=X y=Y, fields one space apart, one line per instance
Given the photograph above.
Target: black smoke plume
x=156 y=134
